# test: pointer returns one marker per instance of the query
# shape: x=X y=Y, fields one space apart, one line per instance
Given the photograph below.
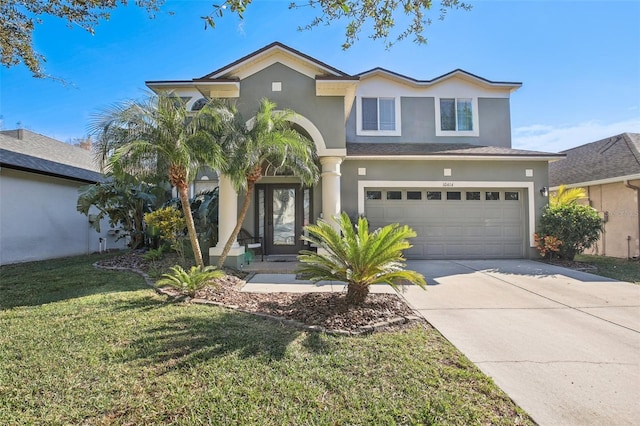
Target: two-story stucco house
x=433 y=154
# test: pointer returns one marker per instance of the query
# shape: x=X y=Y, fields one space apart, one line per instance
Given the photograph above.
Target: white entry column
x=227 y=218
x=331 y=187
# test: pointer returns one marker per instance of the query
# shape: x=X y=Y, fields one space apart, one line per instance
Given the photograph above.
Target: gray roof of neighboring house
x=608 y=158
x=440 y=149
x=25 y=150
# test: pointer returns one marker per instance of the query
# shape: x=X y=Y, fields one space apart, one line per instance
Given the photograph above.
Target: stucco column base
x=235 y=259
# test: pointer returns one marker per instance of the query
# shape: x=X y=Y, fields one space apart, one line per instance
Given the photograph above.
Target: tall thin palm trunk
x=183 y=192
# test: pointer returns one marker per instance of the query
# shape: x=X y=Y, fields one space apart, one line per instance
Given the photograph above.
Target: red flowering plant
x=547 y=245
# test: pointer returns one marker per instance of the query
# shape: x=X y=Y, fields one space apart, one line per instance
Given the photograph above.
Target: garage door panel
x=434 y=231
x=512 y=232
x=455 y=228
x=493 y=213
x=474 y=231
x=513 y=250
x=492 y=231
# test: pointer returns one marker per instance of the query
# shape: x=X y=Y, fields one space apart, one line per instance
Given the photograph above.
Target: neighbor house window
x=456 y=116
x=378 y=116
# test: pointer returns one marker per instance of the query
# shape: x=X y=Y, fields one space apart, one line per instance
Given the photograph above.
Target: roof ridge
x=437 y=78
x=272 y=45
x=632 y=147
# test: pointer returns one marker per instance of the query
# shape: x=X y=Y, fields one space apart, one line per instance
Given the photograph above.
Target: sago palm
x=565 y=196
x=190 y=281
x=267 y=145
x=159 y=136
x=358 y=257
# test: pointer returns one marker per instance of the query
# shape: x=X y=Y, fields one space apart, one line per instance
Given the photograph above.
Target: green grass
x=85 y=346
x=612 y=267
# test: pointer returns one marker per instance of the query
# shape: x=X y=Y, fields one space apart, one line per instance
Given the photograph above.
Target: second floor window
x=456 y=117
x=456 y=114
x=378 y=114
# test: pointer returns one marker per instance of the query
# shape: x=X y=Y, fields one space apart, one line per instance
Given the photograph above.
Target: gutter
x=637 y=189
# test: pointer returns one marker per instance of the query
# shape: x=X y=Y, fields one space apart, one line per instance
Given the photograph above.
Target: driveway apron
x=564 y=345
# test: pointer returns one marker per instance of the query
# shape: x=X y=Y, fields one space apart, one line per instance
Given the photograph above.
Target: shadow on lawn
x=39 y=283
x=184 y=341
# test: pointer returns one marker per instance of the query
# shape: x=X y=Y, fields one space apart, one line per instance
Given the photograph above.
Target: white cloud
x=540 y=137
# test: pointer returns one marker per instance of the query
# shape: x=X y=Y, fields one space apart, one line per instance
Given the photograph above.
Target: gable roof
x=271 y=49
x=614 y=157
x=457 y=73
x=384 y=151
x=25 y=150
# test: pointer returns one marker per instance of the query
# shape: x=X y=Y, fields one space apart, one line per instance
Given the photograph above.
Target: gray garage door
x=469 y=223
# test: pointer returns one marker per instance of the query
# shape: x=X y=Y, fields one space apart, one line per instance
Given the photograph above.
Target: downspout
x=637 y=189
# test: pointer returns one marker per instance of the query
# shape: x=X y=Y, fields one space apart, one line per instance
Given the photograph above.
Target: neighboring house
x=609 y=170
x=39 y=181
x=433 y=154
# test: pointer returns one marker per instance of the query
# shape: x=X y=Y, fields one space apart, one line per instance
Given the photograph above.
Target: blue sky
x=579 y=61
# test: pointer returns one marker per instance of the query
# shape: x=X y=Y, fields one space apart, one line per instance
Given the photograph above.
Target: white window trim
x=474 y=115
x=396 y=132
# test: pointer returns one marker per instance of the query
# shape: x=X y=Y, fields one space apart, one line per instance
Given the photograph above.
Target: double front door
x=282 y=212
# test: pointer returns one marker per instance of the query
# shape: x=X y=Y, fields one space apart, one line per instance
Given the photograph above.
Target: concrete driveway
x=564 y=345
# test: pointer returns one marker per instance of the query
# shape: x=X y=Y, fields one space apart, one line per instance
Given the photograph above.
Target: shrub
x=547 y=245
x=577 y=226
x=153 y=255
x=170 y=224
x=190 y=281
x=358 y=257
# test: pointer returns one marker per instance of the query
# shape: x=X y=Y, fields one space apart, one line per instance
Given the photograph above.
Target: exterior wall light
x=544 y=191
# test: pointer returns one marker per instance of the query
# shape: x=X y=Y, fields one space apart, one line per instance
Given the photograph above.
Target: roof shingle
x=26 y=150
x=608 y=158
x=439 y=149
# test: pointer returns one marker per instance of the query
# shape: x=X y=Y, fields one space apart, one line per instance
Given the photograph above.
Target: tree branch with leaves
x=19 y=19
x=380 y=15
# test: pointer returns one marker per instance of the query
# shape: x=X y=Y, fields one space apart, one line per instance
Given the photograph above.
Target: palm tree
x=266 y=146
x=358 y=257
x=565 y=196
x=158 y=136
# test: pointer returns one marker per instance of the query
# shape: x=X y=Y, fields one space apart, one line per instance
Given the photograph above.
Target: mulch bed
x=322 y=311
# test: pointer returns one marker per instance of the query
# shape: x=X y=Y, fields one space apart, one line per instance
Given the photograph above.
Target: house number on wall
x=447 y=183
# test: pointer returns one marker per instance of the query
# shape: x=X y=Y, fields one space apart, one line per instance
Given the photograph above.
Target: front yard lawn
x=612 y=267
x=85 y=346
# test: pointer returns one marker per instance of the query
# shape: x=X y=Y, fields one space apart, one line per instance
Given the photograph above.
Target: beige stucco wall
x=619 y=206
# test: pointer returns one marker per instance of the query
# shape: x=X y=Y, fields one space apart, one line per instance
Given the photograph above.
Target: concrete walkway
x=564 y=345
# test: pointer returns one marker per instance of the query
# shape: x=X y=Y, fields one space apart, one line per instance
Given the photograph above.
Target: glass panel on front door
x=284 y=216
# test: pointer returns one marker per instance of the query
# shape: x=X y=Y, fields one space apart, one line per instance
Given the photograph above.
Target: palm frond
x=565 y=196
x=357 y=256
